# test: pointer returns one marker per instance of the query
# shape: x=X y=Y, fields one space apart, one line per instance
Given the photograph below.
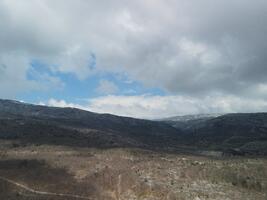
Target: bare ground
x=59 y=172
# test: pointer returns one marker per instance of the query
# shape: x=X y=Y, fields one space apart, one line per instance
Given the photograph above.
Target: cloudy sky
x=141 y=58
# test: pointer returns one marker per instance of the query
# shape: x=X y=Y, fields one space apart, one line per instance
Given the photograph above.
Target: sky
x=143 y=58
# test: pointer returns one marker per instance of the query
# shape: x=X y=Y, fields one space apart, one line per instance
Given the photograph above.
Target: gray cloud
x=191 y=48
x=13 y=75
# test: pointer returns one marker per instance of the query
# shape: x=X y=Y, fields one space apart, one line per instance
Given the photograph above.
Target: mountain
x=240 y=133
x=187 y=122
x=66 y=153
x=185 y=118
x=72 y=126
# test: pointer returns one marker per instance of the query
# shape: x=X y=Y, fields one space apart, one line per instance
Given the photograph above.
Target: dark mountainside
x=237 y=134
x=69 y=126
x=188 y=122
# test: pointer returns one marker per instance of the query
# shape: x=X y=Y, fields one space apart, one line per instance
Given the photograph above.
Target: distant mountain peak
x=184 y=118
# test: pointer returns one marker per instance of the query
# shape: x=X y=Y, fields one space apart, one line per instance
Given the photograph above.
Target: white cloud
x=153 y=107
x=15 y=70
x=107 y=87
x=61 y=103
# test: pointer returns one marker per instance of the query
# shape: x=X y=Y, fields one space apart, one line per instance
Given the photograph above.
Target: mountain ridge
x=29 y=121
x=234 y=133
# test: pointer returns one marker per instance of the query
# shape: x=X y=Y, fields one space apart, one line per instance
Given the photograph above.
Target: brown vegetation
x=125 y=174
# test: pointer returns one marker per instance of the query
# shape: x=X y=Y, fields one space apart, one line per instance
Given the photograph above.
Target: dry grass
x=125 y=174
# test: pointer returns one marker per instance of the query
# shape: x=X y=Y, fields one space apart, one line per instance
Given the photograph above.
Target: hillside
x=76 y=127
x=187 y=122
x=240 y=133
x=230 y=133
x=49 y=153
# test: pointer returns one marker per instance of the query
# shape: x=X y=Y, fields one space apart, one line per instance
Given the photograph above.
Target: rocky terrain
x=125 y=174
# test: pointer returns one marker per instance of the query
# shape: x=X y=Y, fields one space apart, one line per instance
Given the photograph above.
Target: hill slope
x=78 y=127
x=187 y=122
x=238 y=133
x=231 y=133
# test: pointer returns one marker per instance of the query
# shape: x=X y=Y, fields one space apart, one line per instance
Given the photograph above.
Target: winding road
x=26 y=188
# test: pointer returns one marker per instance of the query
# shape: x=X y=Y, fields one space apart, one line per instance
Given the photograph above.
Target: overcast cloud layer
x=209 y=51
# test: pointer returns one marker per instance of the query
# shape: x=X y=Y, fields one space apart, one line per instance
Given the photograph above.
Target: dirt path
x=42 y=192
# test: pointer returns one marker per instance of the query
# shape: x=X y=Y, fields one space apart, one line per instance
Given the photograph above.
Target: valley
x=66 y=153
x=125 y=174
